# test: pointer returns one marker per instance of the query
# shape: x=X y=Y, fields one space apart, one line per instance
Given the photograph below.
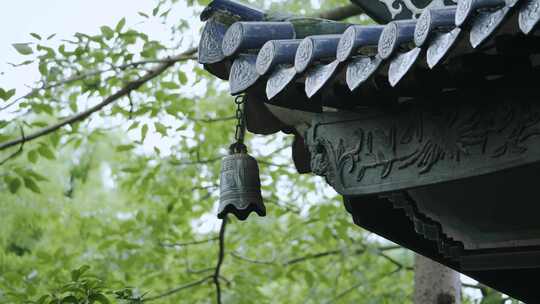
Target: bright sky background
x=19 y=18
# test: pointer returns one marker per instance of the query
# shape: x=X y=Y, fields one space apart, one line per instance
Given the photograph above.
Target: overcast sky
x=19 y=18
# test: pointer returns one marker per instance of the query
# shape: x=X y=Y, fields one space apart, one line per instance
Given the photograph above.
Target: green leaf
x=36 y=176
x=30 y=184
x=43 y=70
x=182 y=77
x=51 y=36
x=14 y=185
x=26 y=62
x=6 y=95
x=144 y=131
x=107 y=32
x=55 y=139
x=143 y=14
x=33 y=156
x=169 y=85
x=133 y=125
x=42 y=299
x=70 y=299
x=161 y=128
x=99 y=297
x=122 y=148
x=23 y=48
x=73 y=105
x=120 y=25
x=38 y=37
x=46 y=152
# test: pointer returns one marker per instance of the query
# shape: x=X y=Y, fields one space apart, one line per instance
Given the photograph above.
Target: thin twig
x=176 y=290
x=197 y=162
x=221 y=256
x=188 y=243
x=239 y=257
x=129 y=87
x=311 y=256
x=211 y=120
x=345 y=292
x=394 y=261
x=352 y=288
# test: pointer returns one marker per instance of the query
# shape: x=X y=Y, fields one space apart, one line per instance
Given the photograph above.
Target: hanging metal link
x=238 y=146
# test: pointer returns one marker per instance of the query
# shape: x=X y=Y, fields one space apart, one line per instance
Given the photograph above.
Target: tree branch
x=393 y=261
x=188 y=243
x=129 y=87
x=237 y=256
x=342 y=12
x=19 y=151
x=176 y=290
x=221 y=256
x=211 y=120
x=81 y=76
x=311 y=256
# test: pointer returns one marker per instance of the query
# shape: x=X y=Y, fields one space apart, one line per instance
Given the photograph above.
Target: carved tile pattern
x=279 y=79
x=439 y=47
x=388 y=39
x=243 y=74
x=401 y=65
x=422 y=28
x=210 y=44
x=360 y=70
x=463 y=11
x=529 y=15
x=346 y=44
x=264 y=58
x=366 y=152
x=232 y=39
x=303 y=54
x=318 y=77
x=485 y=24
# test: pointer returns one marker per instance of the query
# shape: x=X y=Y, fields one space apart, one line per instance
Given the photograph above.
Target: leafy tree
x=112 y=161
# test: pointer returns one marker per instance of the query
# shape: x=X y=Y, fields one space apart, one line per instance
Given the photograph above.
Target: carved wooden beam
x=378 y=151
